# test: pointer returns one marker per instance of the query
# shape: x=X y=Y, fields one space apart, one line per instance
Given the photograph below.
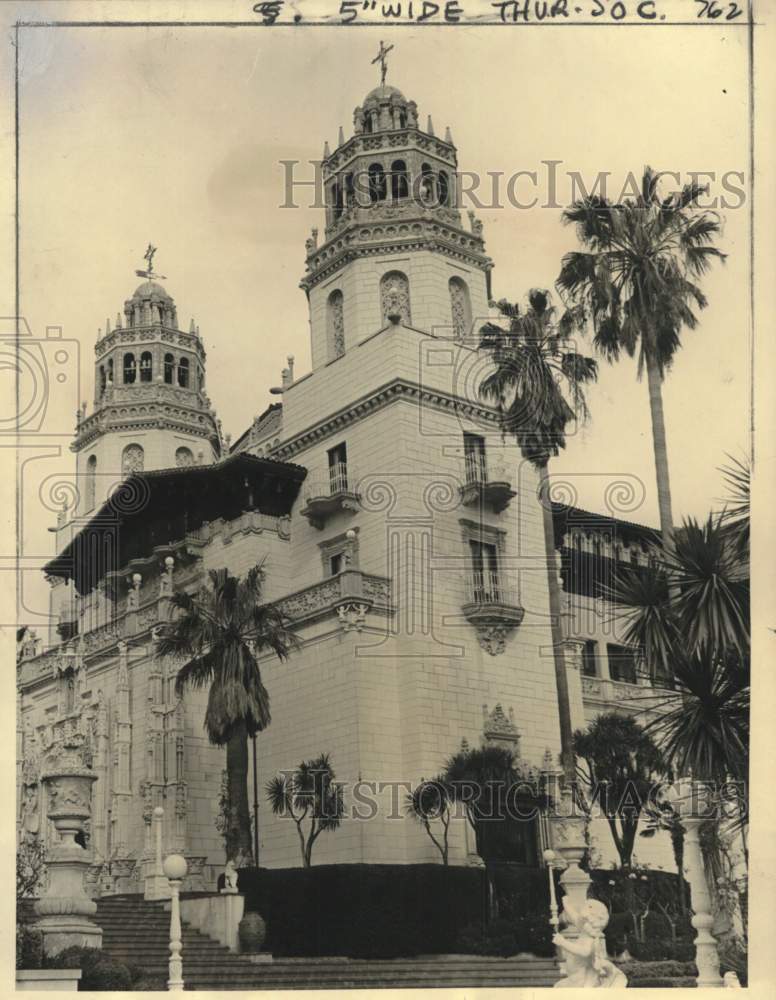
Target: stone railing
x=349 y=596
x=641 y=697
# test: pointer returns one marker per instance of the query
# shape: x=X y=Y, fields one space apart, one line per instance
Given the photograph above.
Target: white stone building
x=402 y=535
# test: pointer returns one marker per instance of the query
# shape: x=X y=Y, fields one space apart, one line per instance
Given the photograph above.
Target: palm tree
x=537 y=387
x=220 y=632
x=638 y=277
x=309 y=793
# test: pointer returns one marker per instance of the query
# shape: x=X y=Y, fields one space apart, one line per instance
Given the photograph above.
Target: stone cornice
x=390 y=392
x=149 y=334
x=461 y=247
x=388 y=140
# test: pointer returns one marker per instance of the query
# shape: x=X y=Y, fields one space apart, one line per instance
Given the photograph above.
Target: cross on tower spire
x=380 y=57
x=149 y=256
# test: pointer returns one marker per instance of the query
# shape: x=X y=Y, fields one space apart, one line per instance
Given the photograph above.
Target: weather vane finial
x=380 y=57
x=149 y=272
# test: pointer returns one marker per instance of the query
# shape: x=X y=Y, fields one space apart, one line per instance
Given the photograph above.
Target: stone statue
x=230 y=877
x=585 y=956
x=30 y=819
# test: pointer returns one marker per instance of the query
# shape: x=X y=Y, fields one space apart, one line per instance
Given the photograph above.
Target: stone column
x=156 y=885
x=693 y=803
x=64 y=908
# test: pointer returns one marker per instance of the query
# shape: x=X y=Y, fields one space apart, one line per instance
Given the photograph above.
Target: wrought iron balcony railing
x=329 y=492
x=486 y=483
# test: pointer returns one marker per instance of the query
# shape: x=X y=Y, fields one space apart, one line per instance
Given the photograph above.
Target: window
x=349 y=189
x=129 y=369
x=589 y=657
x=474 y=458
x=485 y=567
x=427 y=194
x=376 y=183
x=444 y=188
x=460 y=307
x=146 y=366
x=337 y=199
x=335 y=324
x=169 y=368
x=102 y=381
x=400 y=187
x=335 y=564
x=634 y=557
x=622 y=663
x=338 y=468
x=184 y=457
x=183 y=373
x=132 y=459
x=91 y=482
x=395 y=297
x=110 y=371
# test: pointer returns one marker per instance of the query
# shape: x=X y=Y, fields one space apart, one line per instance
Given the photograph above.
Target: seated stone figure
x=230 y=877
x=585 y=956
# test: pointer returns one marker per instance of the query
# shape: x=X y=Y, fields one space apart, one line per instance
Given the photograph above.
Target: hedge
x=365 y=911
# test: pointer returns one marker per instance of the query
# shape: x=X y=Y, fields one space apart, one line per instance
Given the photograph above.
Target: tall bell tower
x=394 y=246
x=151 y=410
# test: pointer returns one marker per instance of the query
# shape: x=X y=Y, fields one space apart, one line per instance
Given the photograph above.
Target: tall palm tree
x=220 y=632
x=537 y=388
x=638 y=277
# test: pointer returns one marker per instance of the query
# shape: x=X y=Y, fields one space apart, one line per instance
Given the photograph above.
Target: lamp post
x=175 y=869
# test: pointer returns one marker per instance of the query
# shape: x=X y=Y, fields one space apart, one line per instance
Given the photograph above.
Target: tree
x=537 y=387
x=308 y=793
x=621 y=765
x=429 y=802
x=221 y=632
x=30 y=867
x=687 y=617
x=638 y=279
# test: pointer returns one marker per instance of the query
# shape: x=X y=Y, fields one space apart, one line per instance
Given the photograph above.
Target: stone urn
x=252 y=932
x=64 y=907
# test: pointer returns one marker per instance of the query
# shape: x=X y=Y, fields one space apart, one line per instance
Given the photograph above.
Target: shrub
x=658 y=970
x=662 y=949
x=29 y=947
x=364 y=911
x=497 y=938
x=99 y=972
x=534 y=934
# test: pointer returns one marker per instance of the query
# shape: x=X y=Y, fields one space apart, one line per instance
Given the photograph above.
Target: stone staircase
x=136 y=932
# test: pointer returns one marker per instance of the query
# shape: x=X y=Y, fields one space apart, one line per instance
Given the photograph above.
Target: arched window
x=132 y=459
x=427 y=186
x=146 y=366
x=110 y=371
x=102 y=381
x=349 y=189
x=169 y=368
x=395 y=297
x=183 y=373
x=129 y=369
x=335 y=324
x=184 y=457
x=91 y=482
x=400 y=187
x=376 y=183
x=444 y=188
x=336 y=192
x=460 y=306
x=402 y=118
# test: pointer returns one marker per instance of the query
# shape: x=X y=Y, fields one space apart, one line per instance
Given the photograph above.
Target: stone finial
x=192 y=327
x=107 y=325
x=341 y=137
x=448 y=135
x=430 y=126
x=118 y=321
x=326 y=151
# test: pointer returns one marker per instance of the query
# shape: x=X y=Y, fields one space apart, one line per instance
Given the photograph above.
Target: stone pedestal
x=567 y=828
x=64 y=908
x=693 y=804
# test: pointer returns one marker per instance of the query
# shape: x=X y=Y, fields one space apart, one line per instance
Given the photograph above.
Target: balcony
x=329 y=493
x=493 y=607
x=604 y=693
x=486 y=483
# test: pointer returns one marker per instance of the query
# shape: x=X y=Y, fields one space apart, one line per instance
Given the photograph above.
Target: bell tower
x=394 y=246
x=151 y=410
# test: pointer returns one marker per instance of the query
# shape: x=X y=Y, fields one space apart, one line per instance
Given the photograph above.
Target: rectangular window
x=589 y=657
x=622 y=663
x=474 y=458
x=485 y=567
x=335 y=564
x=338 y=468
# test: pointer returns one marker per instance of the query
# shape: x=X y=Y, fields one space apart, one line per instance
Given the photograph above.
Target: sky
x=175 y=136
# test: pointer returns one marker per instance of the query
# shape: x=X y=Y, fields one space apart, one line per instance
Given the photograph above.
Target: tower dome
x=151 y=290
x=384 y=92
